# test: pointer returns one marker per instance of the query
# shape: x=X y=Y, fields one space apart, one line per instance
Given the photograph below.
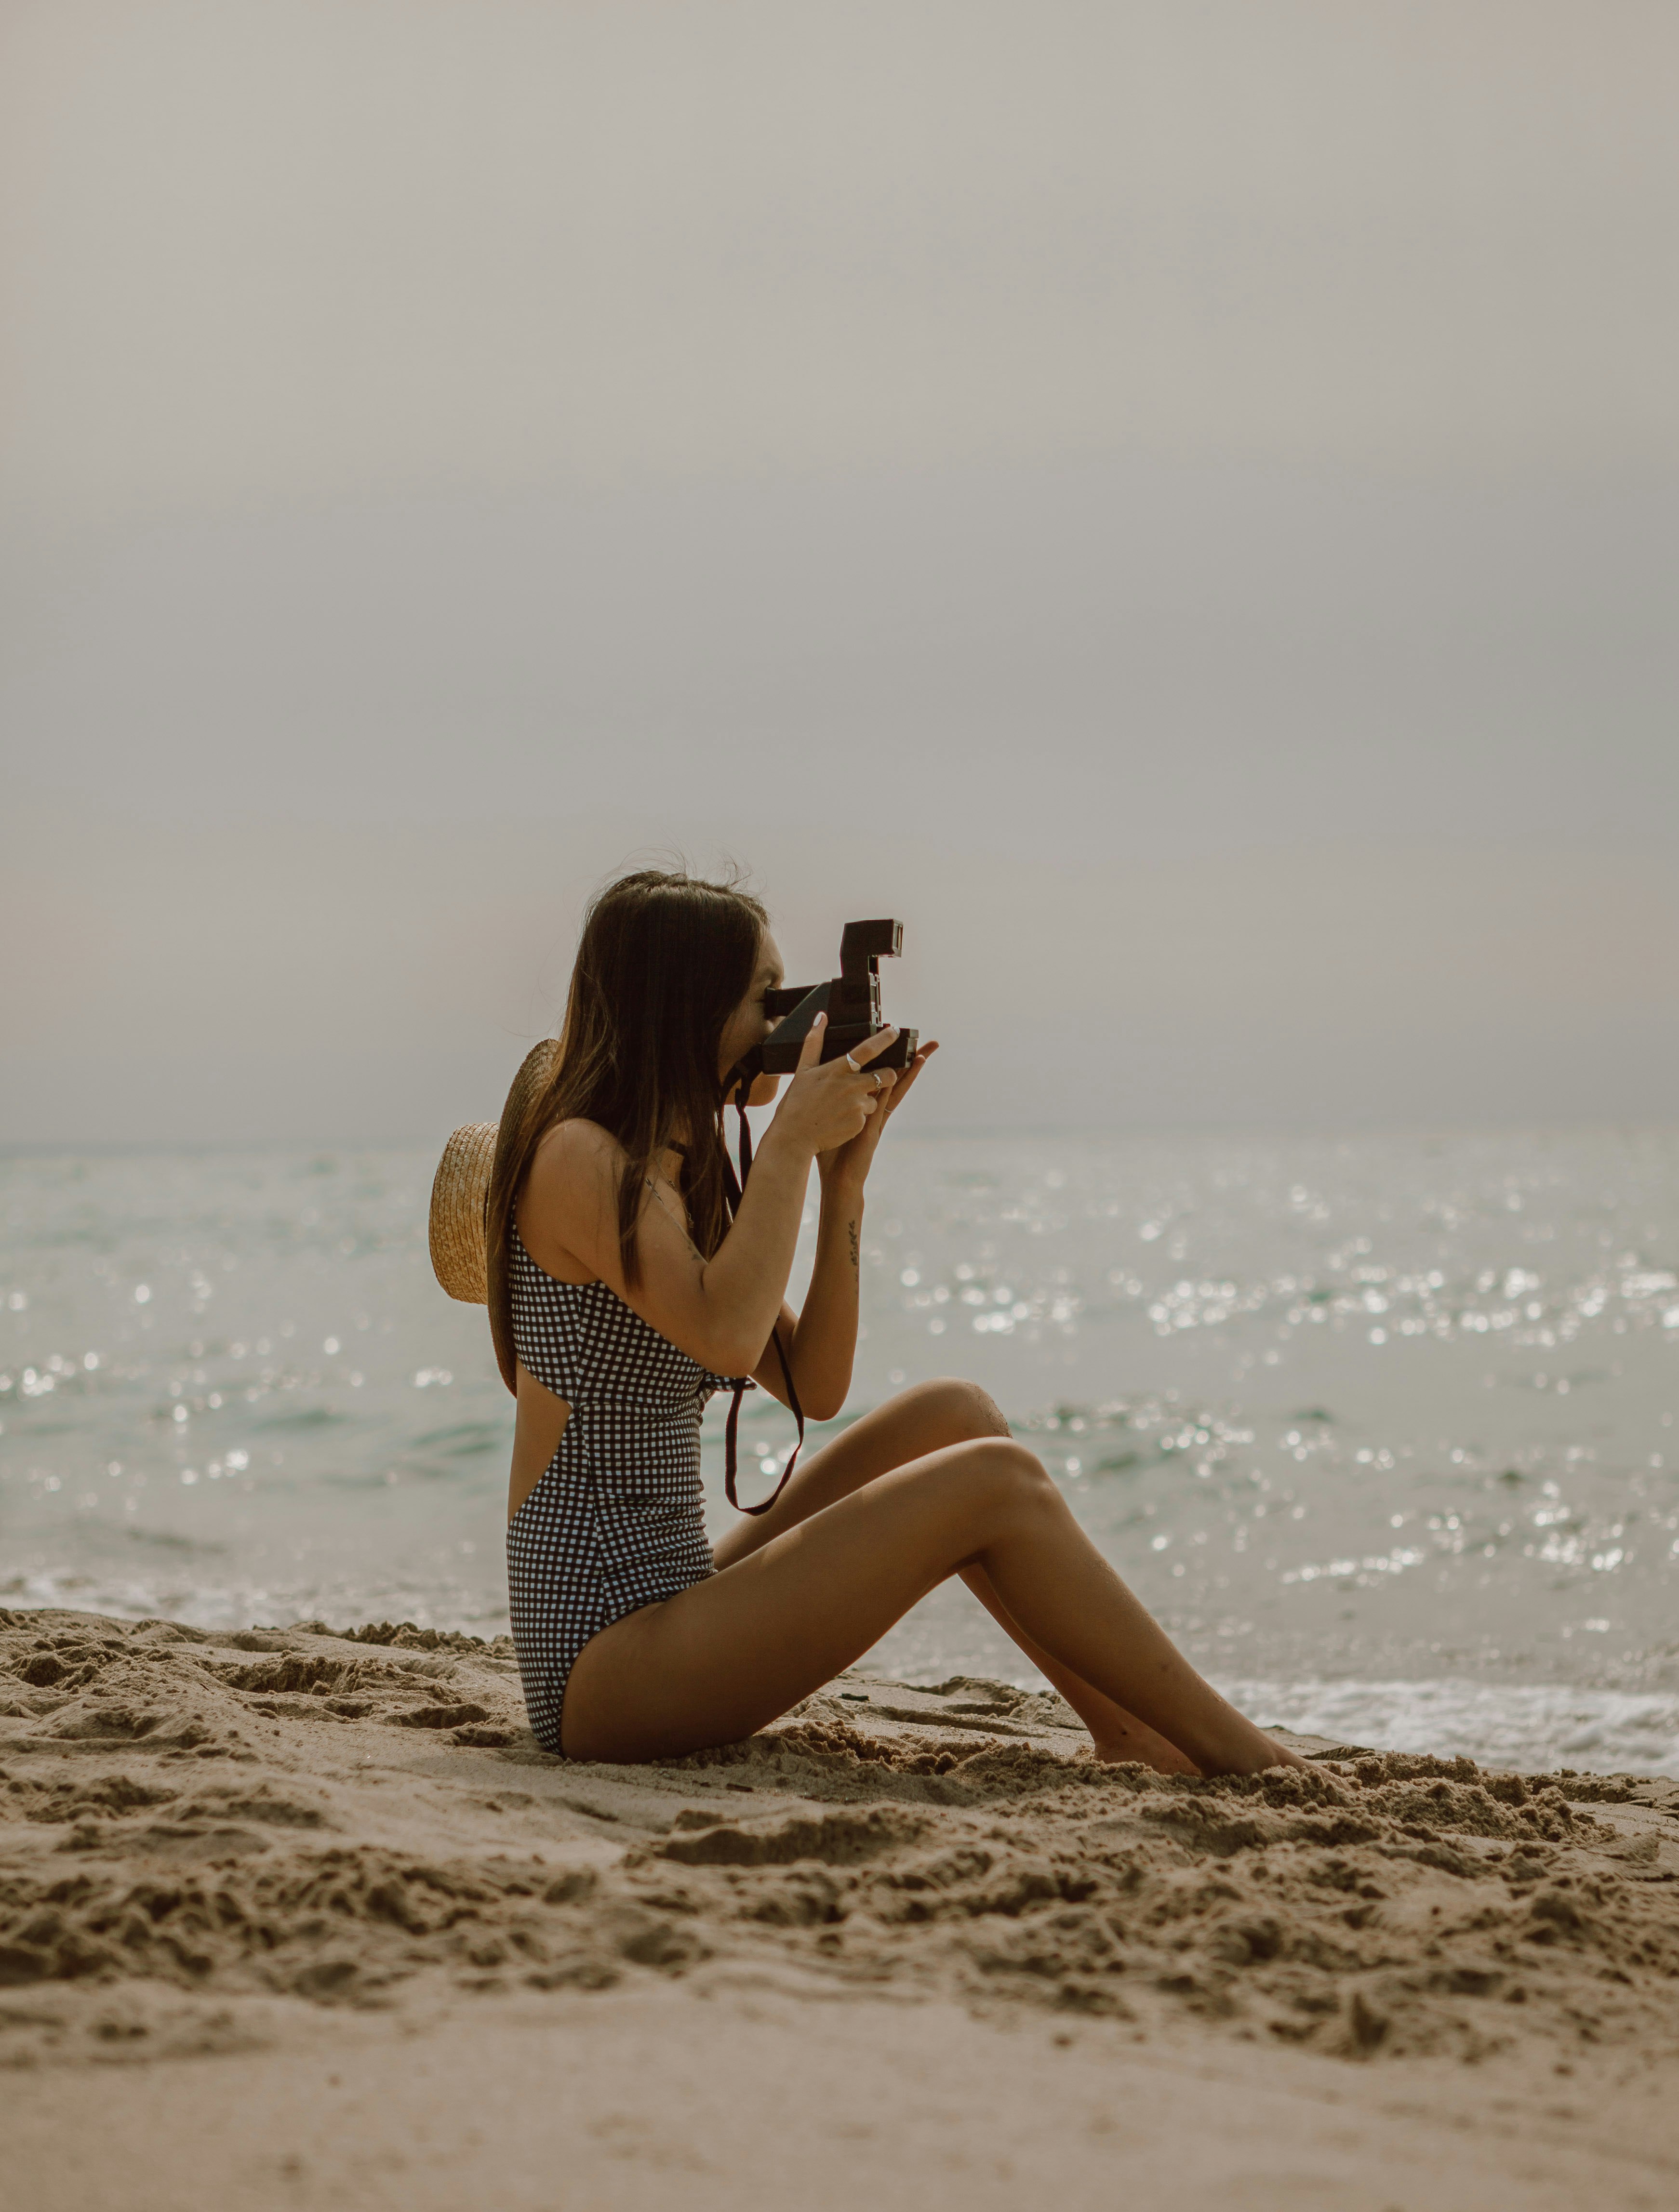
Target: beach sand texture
x=304 y=1918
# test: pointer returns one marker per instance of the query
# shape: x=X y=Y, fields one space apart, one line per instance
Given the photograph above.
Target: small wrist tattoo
x=851 y=1237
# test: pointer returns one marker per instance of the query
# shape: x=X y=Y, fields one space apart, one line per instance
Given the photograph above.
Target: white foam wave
x=1533 y=1728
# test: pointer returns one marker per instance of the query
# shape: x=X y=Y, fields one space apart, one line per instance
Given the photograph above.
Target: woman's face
x=749 y=1024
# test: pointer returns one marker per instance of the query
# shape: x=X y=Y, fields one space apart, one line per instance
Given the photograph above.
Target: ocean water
x=1383 y=1429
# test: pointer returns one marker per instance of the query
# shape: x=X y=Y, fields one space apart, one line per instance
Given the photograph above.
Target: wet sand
x=294 y=1919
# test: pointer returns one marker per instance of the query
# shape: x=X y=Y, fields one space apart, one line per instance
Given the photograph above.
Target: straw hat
x=460 y=1188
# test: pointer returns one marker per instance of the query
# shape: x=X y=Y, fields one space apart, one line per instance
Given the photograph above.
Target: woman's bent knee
x=954 y=1410
x=1009 y=1474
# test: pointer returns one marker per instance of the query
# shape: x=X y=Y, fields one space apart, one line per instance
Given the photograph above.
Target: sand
x=295 y=1918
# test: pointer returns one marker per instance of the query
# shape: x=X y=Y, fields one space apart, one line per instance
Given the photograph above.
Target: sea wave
x=1534 y=1727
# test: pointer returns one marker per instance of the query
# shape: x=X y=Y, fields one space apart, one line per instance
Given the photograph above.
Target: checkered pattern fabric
x=616 y=1521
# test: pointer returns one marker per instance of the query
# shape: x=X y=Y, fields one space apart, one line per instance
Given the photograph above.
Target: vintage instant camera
x=850 y=999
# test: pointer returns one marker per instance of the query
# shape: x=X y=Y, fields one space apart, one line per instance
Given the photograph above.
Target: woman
x=623 y=1295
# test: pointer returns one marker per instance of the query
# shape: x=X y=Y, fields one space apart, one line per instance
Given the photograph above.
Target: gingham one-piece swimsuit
x=616 y=1522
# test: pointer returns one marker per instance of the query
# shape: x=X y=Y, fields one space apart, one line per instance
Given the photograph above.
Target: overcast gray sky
x=1178 y=501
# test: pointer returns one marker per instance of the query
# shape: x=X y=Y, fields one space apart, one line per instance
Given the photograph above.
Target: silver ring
x=855 y=1066
x=877 y=1080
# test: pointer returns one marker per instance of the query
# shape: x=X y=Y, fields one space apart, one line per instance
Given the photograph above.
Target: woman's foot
x=1235 y=1746
x=1129 y=1754
x=1166 y=1758
x=1280 y=1756
x=1260 y=1761
x=1140 y=1746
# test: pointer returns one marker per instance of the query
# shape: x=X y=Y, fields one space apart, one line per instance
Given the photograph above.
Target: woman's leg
x=1115 y=1734
x=726 y=1655
x=921 y=1419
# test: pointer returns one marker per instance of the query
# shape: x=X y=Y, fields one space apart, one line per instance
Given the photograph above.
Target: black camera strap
x=731 y=1435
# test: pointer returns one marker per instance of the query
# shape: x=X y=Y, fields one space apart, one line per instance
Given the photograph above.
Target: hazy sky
x=1178 y=501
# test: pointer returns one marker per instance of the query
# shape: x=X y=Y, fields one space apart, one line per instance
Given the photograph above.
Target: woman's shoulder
x=576 y=1152
x=568 y=1203
x=577 y=1139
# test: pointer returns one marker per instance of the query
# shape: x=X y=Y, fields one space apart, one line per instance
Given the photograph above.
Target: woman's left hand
x=850 y=1162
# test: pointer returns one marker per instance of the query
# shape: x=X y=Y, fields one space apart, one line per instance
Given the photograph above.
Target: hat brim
x=460 y=1188
x=460 y=1192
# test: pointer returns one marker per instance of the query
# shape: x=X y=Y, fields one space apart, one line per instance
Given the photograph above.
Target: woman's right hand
x=826 y=1104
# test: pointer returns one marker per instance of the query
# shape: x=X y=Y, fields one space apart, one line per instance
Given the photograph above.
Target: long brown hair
x=664 y=960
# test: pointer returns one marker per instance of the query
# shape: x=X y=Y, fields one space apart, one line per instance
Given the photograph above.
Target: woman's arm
x=821 y=1340
x=825 y=1341
x=719 y=1310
